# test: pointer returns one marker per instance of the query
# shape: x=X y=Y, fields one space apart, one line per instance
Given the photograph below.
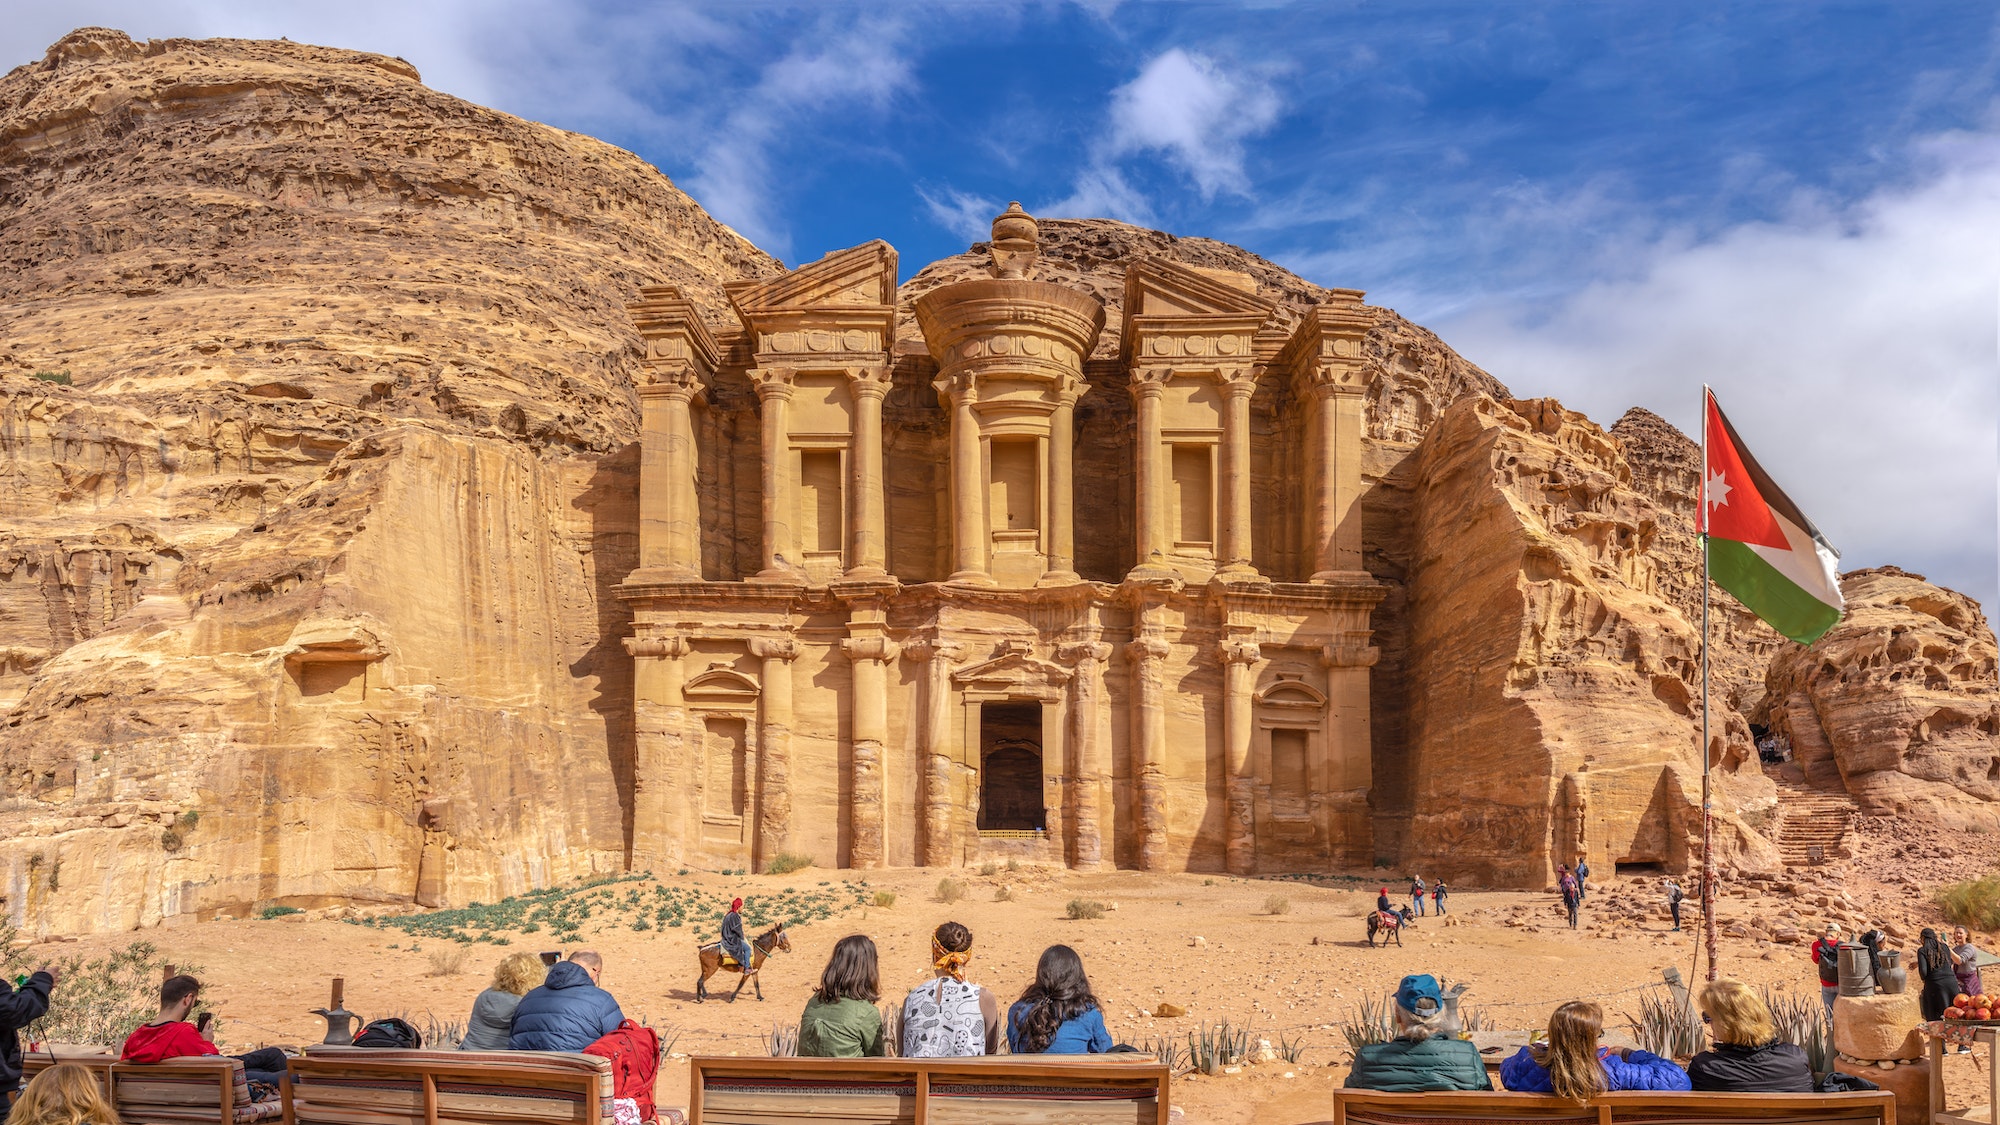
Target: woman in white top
x=946 y=1017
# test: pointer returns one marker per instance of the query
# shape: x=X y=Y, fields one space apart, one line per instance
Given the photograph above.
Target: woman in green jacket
x=841 y=1020
x=1419 y=1057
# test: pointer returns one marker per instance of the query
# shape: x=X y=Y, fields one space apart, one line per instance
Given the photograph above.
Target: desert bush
x=280 y=911
x=989 y=869
x=1668 y=1024
x=1083 y=908
x=448 y=962
x=59 y=377
x=1974 y=903
x=1277 y=904
x=1210 y=1048
x=950 y=889
x=1013 y=865
x=99 y=1000
x=1003 y=894
x=784 y=863
x=885 y=899
x=783 y=1041
x=1291 y=1048
x=171 y=840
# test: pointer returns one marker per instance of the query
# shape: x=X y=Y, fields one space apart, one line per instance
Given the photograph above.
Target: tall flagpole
x=1707 y=818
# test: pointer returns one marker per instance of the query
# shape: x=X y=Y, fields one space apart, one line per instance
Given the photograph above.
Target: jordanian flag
x=1761 y=548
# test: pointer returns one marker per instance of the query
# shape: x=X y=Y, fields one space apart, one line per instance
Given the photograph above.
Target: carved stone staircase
x=1811 y=817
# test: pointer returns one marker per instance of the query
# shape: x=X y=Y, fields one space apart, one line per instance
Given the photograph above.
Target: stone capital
x=1149 y=382
x=1238 y=382
x=1147 y=647
x=928 y=649
x=1349 y=656
x=771 y=382
x=1239 y=652
x=671 y=647
x=1078 y=652
x=767 y=648
x=871 y=381
x=880 y=649
x=670 y=381
x=1332 y=379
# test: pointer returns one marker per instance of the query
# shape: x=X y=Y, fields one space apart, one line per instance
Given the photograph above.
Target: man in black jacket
x=19 y=1007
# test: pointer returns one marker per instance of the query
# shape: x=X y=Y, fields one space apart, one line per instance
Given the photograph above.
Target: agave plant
x=1212 y=1047
x=784 y=1040
x=1801 y=1020
x=1668 y=1024
x=1373 y=1022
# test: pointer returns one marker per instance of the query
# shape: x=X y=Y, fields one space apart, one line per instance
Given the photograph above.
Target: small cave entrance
x=1010 y=767
x=1638 y=868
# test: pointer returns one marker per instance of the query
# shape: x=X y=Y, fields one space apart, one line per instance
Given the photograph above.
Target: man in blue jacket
x=568 y=1012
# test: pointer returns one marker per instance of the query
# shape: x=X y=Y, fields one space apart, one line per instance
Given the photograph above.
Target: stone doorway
x=1010 y=768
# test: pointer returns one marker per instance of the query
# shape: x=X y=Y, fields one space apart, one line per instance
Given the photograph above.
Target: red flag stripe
x=1732 y=507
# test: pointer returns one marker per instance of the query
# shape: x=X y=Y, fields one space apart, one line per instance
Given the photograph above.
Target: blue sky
x=1610 y=203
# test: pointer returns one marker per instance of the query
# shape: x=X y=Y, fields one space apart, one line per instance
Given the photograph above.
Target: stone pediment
x=1155 y=287
x=720 y=686
x=861 y=276
x=1015 y=672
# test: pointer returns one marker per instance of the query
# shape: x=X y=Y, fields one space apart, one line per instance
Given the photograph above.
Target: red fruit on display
x=1961 y=1001
x=1954 y=1012
x=1984 y=1014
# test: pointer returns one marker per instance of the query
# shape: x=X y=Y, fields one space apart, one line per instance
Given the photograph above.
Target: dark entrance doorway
x=1010 y=767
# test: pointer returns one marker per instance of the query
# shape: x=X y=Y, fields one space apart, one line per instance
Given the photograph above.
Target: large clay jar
x=1891 y=978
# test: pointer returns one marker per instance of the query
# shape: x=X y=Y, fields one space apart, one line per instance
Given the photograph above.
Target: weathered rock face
x=1901 y=697
x=303 y=578
x=1554 y=695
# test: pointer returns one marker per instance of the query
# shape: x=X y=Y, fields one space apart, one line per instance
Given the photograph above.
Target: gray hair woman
x=1421 y=1056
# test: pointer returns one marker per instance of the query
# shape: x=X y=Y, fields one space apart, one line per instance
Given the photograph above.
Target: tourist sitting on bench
x=1572 y=1066
x=568 y=1012
x=170 y=1036
x=1420 y=1057
x=947 y=1017
x=841 y=1020
x=1748 y=1057
x=65 y=1094
x=491 y=1025
x=1058 y=1014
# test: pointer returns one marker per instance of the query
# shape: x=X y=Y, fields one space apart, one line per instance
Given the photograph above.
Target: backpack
x=1676 y=895
x=389 y=1032
x=634 y=1052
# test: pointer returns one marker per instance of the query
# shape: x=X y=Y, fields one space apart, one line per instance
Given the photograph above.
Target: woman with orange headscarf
x=946 y=1017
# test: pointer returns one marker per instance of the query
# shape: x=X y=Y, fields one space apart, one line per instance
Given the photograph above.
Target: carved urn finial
x=1016 y=242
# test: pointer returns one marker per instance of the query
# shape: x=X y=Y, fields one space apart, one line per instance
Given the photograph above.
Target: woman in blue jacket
x=1571 y=1065
x=1057 y=1015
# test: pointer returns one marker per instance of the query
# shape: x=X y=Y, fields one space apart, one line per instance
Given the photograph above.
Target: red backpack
x=634 y=1052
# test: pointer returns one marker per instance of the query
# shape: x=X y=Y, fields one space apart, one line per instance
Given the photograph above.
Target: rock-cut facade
x=968 y=593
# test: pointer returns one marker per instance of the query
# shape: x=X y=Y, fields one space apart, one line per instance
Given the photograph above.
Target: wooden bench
x=208 y=1088
x=97 y=1060
x=1368 y=1107
x=365 y=1086
x=1010 y=1089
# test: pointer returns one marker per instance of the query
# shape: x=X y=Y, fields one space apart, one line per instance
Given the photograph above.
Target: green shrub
x=99 y=1000
x=58 y=377
x=885 y=899
x=988 y=870
x=1974 y=903
x=1083 y=908
x=1277 y=904
x=271 y=912
x=784 y=863
x=171 y=840
x=950 y=890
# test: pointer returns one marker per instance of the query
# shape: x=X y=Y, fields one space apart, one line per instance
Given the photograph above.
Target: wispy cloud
x=1855 y=348
x=1195 y=112
x=1101 y=192
x=966 y=215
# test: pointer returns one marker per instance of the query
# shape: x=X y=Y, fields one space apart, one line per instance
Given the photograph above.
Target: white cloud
x=966 y=215
x=1101 y=193
x=1853 y=347
x=1197 y=113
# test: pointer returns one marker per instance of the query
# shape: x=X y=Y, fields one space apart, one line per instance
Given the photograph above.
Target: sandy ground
x=1206 y=943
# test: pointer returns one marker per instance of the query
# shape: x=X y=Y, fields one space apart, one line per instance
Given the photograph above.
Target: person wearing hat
x=1422 y=1056
x=1826 y=954
x=733 y=941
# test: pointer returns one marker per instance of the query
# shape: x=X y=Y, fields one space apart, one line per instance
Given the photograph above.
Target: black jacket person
x=20 y=1007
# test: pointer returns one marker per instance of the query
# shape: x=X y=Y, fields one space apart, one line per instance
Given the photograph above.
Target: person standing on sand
x=1675 y=896
x=1572 y=896
x=1582 y=878
x=1940 y=982
x=1826 y=955
x=1437 y=897
x=1417 y=894
x=19 y=1007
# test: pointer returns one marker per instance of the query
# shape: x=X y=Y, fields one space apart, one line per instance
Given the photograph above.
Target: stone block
x=1911 y=1083
x=1878 y=1027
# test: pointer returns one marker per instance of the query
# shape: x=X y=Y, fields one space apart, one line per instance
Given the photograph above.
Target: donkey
x=773 y=940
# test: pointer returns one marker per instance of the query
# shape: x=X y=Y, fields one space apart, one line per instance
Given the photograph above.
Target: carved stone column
x=867 y=538
x=1062 y=495
x=868 y=737
x=774 y=746
x=1148 y=519
x=1086 y=788
x=1337 y=462
x=1147 y=653
x=669 y=524
x=661 y=780
x=1235 y=547
x=1239 y=679
x=1346 y=772
x=969 y=536
x=934 y=795
x=781 y=549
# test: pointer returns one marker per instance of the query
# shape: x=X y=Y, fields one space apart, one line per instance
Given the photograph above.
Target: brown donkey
x=773 y=940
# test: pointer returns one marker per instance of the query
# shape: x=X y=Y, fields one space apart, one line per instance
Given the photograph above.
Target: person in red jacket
x=171 y=1037
x=1826 y=956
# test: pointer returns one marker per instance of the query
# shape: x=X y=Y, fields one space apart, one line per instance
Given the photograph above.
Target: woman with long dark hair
x=1572 y=1066
x=1935 y=968
x=1058 y=1015
x=841 y=1019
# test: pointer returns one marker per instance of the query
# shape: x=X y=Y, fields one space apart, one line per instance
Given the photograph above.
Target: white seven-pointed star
x=1718 y=491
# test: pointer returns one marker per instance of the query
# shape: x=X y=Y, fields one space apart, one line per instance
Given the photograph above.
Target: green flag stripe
x=1781 y=602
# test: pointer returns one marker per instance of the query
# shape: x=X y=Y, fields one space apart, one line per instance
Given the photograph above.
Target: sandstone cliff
x=1900 y=702
x=1554 y=694
x=305 y=550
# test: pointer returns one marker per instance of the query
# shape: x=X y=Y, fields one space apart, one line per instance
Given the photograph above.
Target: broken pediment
x=858 y=277
x=1015 y=672
x=1156 y=287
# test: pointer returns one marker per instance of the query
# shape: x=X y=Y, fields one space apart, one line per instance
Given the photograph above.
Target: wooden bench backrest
x=98 y=1062
x=195 y=1089
x=1009 y=1089
x=1369 y=1107
x=363 y=1086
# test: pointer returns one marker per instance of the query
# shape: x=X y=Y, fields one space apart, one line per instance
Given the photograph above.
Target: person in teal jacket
x=1420 y=1057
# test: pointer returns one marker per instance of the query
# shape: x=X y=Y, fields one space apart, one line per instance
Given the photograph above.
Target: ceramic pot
x=1891 y=978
